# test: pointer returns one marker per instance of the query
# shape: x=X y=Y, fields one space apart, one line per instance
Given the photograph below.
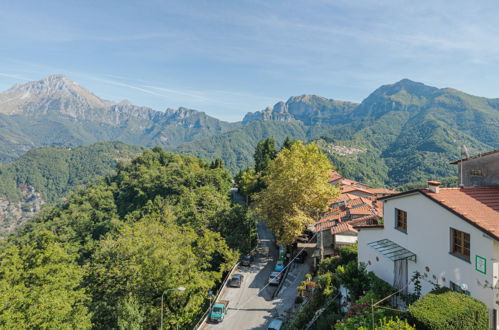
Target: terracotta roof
x=342 y=227
x=476 y=205
x=479 y=205
x=359 y=201
x=369 y=219
x=343 y=197
x=365 y=209
x=333 y=216
x=383 y=191
x=334 y=176
x=324 y=225
x=367 y=226
x=476 y=156
x=347 y=189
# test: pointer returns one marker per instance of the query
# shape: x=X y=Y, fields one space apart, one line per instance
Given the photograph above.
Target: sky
x=227 y=58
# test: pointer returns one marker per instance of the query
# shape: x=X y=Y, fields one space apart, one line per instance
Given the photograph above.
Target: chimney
x=433 y=186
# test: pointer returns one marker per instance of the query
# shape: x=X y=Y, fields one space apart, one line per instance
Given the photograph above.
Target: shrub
x=298 y=300
x=353 y=277
x=380 y=288
x=359 y=317
x=393 y=324
x=440 y=290
x=449 y=310
x=348 y=253
x=329 y=265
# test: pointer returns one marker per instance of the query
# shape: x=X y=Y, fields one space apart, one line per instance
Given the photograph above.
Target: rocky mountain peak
x=53 y=93
x=407 y=86
x=49 y=85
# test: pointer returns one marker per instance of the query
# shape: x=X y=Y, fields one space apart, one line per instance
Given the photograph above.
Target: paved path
x=250 y=307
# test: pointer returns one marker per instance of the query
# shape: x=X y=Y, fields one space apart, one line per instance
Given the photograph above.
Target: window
x=401 y=220
x=460 y=244
x=476 y=172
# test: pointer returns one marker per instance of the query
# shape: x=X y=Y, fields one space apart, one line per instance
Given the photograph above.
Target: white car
x=275 y=324
x=274 y=278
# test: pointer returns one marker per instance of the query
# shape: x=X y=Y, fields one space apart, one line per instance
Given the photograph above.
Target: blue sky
x=230 y=57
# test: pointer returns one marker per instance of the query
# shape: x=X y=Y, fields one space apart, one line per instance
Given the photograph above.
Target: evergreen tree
x=217 y=163
x=287 y=143
x=264 y=153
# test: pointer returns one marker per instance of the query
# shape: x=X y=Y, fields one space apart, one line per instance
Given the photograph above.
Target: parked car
x=236 y=280
x=218 y=311
x=279 y=266
x=247 y=260
x=275 y=324
x=300 y=258
x=274 y=278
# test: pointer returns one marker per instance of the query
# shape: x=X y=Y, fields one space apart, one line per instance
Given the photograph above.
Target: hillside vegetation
x=54 y=171
x=103 y=258
x=408 y=131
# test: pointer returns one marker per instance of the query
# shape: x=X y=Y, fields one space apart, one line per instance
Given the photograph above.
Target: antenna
x=464 y=151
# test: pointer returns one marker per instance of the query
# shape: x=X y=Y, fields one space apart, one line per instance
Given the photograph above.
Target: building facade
x=450 y=236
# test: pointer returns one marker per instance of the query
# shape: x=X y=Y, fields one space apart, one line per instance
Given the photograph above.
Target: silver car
x=274 y=278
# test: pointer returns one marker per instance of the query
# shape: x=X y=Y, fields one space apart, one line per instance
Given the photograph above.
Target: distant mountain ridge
x=409 y=131
x=58 y=111
x=309 y=109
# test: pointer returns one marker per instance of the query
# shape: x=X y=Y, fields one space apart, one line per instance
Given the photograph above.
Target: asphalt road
x=250 y=307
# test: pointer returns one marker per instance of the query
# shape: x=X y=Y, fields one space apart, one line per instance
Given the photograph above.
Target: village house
x=450 y=236
x=356 y=205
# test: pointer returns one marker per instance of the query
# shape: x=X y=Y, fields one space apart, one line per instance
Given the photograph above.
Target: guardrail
x=283 y=279
x=213 y=301
x=204 y=318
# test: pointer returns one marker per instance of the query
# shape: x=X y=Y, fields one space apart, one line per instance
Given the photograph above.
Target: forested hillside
x=57 y=111
x=103 y=258
x=405 y=132
x=53 y=171
x=46 y=175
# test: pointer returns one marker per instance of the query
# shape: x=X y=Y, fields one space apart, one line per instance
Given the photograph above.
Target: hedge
x=449 y=310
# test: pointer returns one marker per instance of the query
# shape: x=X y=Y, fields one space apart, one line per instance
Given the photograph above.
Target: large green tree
x=297 y=191
x=40 y=287
x=103 y=258
x=150 y=256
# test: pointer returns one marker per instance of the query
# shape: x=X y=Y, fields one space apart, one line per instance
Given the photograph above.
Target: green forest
x=54 y=171
x=104 y=258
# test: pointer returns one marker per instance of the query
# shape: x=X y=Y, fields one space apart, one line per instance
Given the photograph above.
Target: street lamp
x=180 y=288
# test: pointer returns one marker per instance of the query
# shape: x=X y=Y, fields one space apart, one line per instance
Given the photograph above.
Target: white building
x=449 y=235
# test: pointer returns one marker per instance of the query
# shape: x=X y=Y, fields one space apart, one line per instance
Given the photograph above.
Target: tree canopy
x=104 y=257
x=264 y=153
x=297 y=191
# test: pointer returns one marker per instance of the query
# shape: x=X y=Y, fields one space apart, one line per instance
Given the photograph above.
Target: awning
x=345 y=239
x=392 y=250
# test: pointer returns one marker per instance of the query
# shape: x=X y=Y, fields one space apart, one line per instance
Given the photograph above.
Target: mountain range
x=58 y=111
x=401 y=133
